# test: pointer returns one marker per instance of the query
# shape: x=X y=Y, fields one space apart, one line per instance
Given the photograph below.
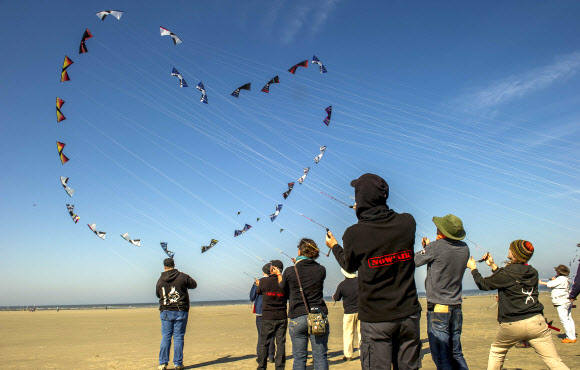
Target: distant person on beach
x=381 y=247
x=304 y=281
x=520 y=313
x=172 y=291
x=560 y=285
x=445 y=259
x=257 y=309
x=274 y=318
x=347 y=291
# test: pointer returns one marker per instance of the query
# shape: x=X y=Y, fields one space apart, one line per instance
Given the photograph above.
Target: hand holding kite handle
x=330 y=241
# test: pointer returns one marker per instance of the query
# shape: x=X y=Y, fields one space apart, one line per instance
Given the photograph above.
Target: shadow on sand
x=221 y=360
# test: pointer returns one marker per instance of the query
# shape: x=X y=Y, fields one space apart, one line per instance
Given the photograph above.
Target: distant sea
x=121 y=306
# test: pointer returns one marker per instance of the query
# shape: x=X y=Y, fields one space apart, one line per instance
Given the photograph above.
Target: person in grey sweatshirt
x=445 y=259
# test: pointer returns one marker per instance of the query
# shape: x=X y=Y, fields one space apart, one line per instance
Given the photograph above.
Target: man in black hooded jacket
x=173 y=297
x=381 y=247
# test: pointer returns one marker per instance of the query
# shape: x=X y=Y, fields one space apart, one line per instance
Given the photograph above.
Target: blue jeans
x=298 y=329
x=173 y=324
x=444 y=331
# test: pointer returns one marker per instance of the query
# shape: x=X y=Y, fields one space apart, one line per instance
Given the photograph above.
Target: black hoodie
x=380 y=246
x=517 y=288
x=172 y=291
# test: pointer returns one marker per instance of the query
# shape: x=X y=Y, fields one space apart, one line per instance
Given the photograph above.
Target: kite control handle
x=328 y=236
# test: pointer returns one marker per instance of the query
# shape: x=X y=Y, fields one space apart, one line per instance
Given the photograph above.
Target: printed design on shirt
x=173 y=296
x=529 y=294
x=275 y=294
x=390 y=259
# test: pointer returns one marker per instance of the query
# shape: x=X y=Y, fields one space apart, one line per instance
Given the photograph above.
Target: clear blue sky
x=463 y=108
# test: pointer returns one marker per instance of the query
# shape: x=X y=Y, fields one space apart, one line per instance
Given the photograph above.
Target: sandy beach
x=217 y=338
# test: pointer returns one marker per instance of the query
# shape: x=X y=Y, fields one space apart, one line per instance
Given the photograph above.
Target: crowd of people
x=380 y=298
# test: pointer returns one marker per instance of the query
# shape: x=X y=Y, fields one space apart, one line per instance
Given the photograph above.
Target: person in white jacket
x=560 y=286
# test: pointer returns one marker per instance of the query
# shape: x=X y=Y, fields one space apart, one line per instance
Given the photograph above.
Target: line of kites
x=182 y=83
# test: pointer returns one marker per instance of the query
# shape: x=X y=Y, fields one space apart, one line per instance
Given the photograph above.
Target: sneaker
x=344 y=358
x=162 y=367
x=568 y=340
x=179 y=367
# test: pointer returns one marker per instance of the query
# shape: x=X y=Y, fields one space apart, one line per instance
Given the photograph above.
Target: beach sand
x=217 y=338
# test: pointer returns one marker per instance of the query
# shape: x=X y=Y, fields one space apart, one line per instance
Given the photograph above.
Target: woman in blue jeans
x=311 y=275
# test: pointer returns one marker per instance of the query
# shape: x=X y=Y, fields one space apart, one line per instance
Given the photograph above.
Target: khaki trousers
x=349 y=321
x=536 y=331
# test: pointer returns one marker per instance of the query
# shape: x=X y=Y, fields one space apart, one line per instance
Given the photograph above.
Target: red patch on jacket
x=389 y=259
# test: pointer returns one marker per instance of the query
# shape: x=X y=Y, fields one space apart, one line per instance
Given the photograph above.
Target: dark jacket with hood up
x=517 y=288
x=172 y=291
x=576 y=287
x=381 y=247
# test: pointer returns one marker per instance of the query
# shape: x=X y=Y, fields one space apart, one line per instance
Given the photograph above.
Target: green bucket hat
x=451 y=226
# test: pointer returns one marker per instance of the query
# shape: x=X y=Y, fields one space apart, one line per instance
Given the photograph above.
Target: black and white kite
x=266 y=87
x=136 y=242
x=319 y=157
x=176 y=73
x=315 y=60
x=278 y=209
x=64 y=181
x=115 y=13
x=201 y=88
x=303 y=177
x=70 y=208
x=329 y=113
x=100 y=234
x=169 y=253
x=236 y=92
x=174 y=37
x=304 y=64
x=211 y=244
x=287 y=192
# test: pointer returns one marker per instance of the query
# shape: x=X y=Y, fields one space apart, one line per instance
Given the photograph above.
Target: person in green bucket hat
x=445 y=259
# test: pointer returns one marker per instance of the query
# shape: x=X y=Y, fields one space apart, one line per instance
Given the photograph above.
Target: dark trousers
x=444 y=331
x=273 y=329
x=394 y=342
x=272 y=349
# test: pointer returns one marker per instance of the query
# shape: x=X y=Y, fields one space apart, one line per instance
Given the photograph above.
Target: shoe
x=162 y=367
x=179 y=367
x=271 y=360
x=568 y=340
x=344 y=358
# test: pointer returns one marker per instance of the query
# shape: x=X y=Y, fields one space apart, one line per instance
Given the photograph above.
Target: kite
x=239 y=213
x=301 y=64
x=211 y=244
x=63 y=181
x=290 y=187
x=136 y=242
x=169 y=253
x=315 y=60
x=176 y=73
x=329 y=113
x=100 y=234
x=64 y=75
x=318 y=157
x=240 y=232
x=74 y=217
x=59 y=115
x=60 y=147
x=82 y=47
x=278 y=209
x=281 y=230
x=201 y=88
x=266 y=87
x=236 y=92
x=258 y=219
x=115 y=13
x=166 y=32
x=303 y=177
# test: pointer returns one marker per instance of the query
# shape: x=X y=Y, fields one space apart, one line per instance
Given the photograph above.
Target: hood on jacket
x=170 y=275
x=370 y=193
x=526 y=274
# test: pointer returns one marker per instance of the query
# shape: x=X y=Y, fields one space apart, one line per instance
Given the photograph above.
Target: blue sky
x=464 y=108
